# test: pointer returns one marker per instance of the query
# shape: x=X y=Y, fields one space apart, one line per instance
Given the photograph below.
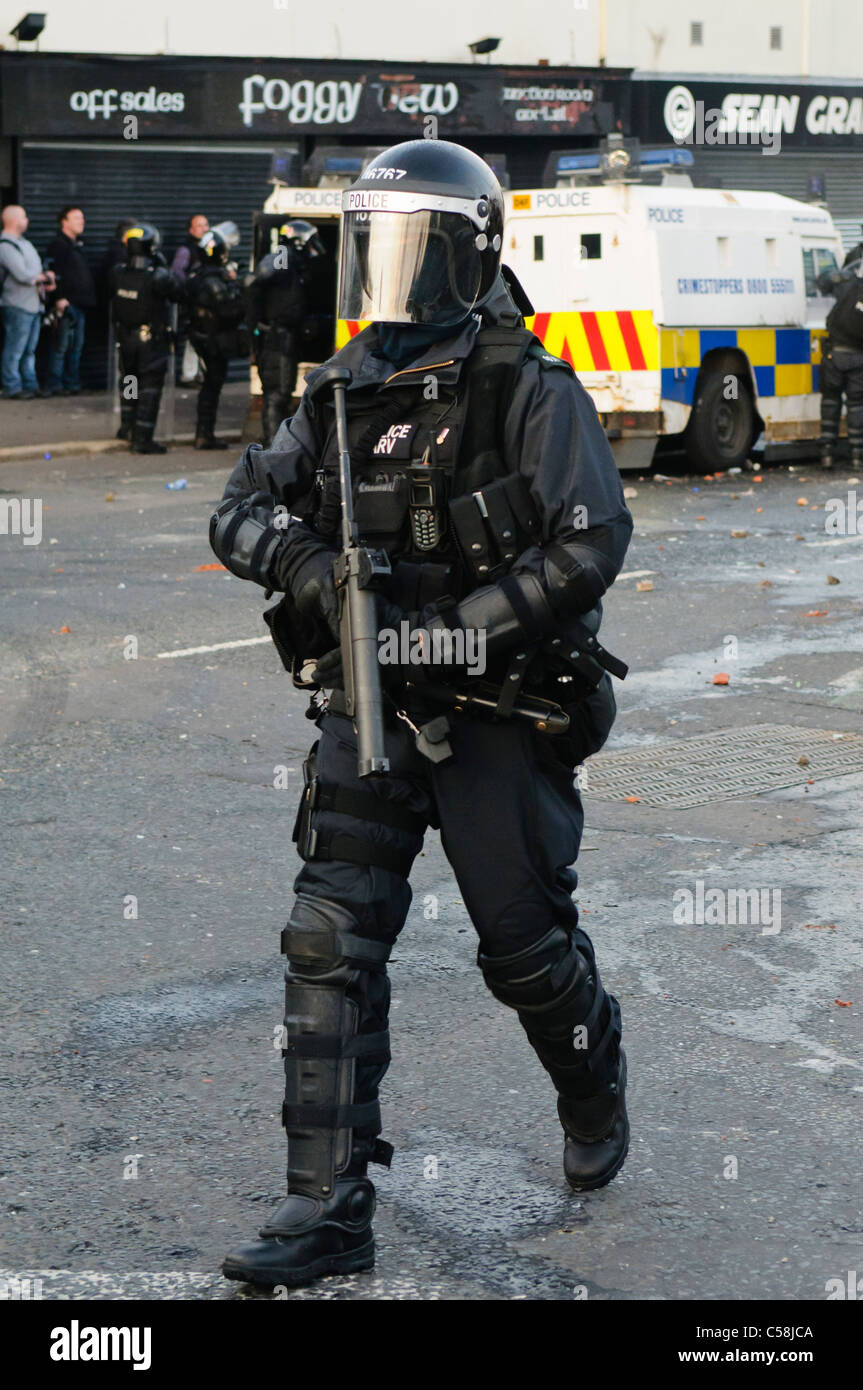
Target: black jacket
x=141 y=292
x=66 y=258
x=214 y=307
x=552 y=436
x=845 y=320
x=277 y=297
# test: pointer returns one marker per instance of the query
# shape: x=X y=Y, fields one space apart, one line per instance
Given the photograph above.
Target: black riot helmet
x=301 y=236
x=142 y=239
x=217 y=243
x=421 y=235
x=214 y=248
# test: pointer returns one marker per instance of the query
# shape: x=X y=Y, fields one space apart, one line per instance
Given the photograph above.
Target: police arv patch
x=395 y=443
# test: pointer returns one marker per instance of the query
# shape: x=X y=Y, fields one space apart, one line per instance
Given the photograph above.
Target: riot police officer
x=841 y=371
x=482 y=469
x=277 y=305
x=142 y=291
x=216 y=312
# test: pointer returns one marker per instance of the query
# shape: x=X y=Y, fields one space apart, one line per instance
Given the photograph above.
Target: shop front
x=161 y=138
x=803 y=139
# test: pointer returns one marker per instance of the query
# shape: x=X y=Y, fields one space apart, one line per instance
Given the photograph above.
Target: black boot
x=144 y=443
x=828 y=458
x=209 y=441
x=597 y=1134
x=124 y=432
x=308 y=1237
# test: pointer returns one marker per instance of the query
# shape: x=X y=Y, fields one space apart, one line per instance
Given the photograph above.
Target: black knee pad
x=322 y=944
x=572 y=1024
x=552 y=983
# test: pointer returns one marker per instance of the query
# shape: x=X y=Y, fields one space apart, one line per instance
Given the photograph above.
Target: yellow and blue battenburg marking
x=785 y=361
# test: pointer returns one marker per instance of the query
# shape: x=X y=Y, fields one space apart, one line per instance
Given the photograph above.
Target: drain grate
x=717 y=767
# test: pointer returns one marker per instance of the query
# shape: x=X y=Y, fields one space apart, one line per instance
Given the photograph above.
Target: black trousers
x=215 y=366
x=277 y=368
x=841 y=375
x=510 y=819
x=146 y=364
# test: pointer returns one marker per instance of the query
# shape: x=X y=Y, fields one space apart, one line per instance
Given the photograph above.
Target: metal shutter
x=160 y=183
x=788 y=173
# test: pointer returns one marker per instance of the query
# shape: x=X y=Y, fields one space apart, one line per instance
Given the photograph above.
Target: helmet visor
x=409 y=267
x=228 y=231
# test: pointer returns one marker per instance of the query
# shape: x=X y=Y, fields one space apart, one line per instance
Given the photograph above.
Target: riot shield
x=114 y=383
x=165 y=424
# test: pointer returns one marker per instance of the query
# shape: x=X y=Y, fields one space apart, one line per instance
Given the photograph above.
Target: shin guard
x=334 y=1049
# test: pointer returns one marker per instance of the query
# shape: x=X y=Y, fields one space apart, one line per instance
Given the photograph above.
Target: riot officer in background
x=277 y=305
x=499 y=504
x=841 y=373
x=216 y=313
x=142 y=291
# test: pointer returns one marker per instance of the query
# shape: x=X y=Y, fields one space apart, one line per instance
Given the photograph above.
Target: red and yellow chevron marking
x=604 y=340
x=347 y=329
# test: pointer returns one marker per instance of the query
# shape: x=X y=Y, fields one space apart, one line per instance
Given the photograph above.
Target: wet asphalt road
x=152 y=1035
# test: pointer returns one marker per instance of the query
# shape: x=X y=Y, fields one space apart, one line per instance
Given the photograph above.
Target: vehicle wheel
x=721 y=428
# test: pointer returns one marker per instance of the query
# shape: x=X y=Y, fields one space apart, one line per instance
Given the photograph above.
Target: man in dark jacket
x=188 y=253
x=186 y=257
x=482 y=470
x=74 y=295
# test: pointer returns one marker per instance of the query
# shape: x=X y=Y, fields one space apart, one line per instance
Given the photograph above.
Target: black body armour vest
x=430 y=483
x=279 y=296
x=135 y=301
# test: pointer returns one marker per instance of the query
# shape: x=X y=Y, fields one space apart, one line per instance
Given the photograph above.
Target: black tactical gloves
x=328 y=673
x=313 y=588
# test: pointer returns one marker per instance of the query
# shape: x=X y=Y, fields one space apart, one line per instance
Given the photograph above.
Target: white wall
x=822 y=38
x=398 y=30
x=653 y=35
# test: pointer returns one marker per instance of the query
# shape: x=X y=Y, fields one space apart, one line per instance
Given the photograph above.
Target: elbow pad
x=574 y=584
x=513 y=611
x=245 y=539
